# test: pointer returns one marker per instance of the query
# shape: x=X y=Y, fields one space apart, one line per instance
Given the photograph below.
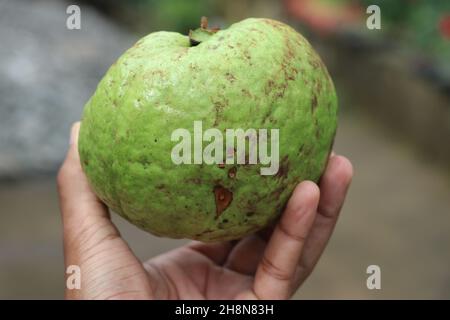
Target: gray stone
x=47 y=73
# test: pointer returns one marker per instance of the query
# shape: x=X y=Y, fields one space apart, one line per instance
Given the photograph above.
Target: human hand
x=261 y=266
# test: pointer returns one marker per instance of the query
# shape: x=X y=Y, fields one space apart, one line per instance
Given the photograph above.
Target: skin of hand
x=269 y=265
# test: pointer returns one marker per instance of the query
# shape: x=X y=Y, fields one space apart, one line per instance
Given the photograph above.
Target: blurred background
x=394 y=91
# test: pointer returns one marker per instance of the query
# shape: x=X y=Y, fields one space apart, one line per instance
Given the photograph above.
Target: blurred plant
x=444 y=26
x=181 y=15
x=423 y=23
x=325 y=16
x=150 y=15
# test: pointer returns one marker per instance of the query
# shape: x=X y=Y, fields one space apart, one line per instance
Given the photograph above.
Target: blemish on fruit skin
x=218 y=106
x=300 y=150
x=277 y=193
x=279 y=83
x=194 y=67
x=313 y=103
x=194 y=180
x=256 y=30
x=232 y=173
x=314 y=63
x=290 y=50
x=284 y=168
x=223 y=198
x=246 y=93
x=317 y=131
x=318 y=87
x=230 y=77
x=248 y=57
x=273 y=23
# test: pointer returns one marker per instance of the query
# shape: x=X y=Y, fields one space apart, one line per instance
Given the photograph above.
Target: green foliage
x=415 y=22
x=181 y=15
x=174 y=15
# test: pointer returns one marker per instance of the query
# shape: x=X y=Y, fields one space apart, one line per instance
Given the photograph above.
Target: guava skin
x=259 y=73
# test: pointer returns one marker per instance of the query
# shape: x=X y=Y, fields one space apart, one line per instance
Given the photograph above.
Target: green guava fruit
x=259 y=74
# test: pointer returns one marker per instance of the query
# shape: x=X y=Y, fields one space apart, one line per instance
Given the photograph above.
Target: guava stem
x=201 y=34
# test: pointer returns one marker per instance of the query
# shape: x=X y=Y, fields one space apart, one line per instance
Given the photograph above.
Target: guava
x=258 y=73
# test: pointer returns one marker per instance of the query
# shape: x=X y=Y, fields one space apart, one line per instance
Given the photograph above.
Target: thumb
x=77 y=200
x=91 y=239
x=83 y=214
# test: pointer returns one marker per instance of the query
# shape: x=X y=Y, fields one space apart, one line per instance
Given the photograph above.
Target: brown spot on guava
x=314 y=63
x=230 y=77
x=223 y=198
x=318 y=86
x=266 y=116
x=273 y=23
x=300 y=150
x=277 y=193
x=284 y=168
x=246 y=93
x=269 y=87
x=248 y=56
x=232 y=173
x=194 y=180
x=290 y=51
x=317 y=131
x=218 y=106
x=313 y=103
x=194 y=67
x=256 y=30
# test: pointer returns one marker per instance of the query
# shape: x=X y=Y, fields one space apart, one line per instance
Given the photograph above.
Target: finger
x=333 y=189
x=82 y=212
x=275 y=274
x=80 y=207
x=73 y=186
x=246 y=255
x=91 y=241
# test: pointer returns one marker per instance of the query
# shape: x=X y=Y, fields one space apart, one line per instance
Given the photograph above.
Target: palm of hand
x=187 y=273
x=257 y=267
